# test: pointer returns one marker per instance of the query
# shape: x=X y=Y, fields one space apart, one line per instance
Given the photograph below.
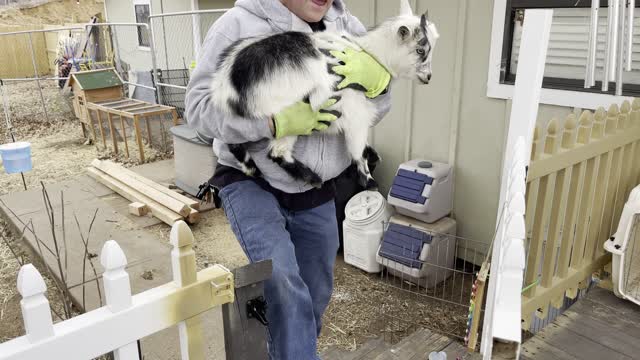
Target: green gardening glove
x=300 y=119
x=361 y=68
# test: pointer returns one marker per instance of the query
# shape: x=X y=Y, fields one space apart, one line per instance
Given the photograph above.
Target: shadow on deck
x=600 y=326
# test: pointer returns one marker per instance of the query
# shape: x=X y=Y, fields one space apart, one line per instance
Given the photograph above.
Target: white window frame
x=496 y=90
x=135 y=19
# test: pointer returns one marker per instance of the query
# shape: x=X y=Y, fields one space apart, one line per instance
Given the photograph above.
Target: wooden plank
x=136 y=124
x=558 y=204
x=124 y=136
x=584 y=214
x=133 y=103
x=194 y=204
x=149 y=137
x=478 y=302
x=174 y=114
x=542 y=213
x=109 y=102
x=568 y=158
x=104 y=140
x=114 y=138
x=117 y=172
x=193 y=217
x=157 y=210
x=567 y=340
x=600 y=332
x=138 y=209
x=145 y=106
x=537 y=349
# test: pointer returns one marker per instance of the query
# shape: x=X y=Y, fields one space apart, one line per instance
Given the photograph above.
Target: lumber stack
x=145 y=195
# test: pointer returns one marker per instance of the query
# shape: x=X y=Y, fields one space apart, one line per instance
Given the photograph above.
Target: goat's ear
x=423 y=21
x=405 y=8
x=404 y=32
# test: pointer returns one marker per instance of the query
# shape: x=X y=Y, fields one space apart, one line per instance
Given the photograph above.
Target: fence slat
x=587 y=194
x=561 y=193
x=616 y=164
x=542 y=212
x=183 y=263
x=36 y=312
x=602 y=182
x=117 y=290
x=624 y=183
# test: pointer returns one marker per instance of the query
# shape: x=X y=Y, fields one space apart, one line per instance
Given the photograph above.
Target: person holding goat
x=275 y=215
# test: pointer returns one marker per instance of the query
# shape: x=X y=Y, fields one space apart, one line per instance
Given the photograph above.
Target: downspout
x=456 y=100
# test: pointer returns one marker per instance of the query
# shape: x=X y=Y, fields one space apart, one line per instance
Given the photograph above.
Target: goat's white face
x=417 y=37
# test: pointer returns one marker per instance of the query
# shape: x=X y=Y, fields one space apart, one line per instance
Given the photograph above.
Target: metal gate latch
x=257 y=308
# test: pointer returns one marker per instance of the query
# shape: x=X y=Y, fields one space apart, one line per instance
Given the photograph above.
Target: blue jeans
x=303 y=247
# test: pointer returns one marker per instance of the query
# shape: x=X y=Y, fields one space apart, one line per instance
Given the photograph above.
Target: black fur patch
x=227 y=51
x=370 y=155
x=239 y=151
x=298 y=170
x=262 y=58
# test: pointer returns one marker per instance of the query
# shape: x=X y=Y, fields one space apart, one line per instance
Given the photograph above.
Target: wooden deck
x=600 y=326
x=418 y=346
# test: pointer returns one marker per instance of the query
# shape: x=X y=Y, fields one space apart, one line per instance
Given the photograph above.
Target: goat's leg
x=241 y=154
x=361 y=153
x=281 y=153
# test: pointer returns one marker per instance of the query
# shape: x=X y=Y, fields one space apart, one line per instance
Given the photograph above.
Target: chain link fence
x=178 y=38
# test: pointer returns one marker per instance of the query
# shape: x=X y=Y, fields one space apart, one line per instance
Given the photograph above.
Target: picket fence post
x=117 y=290
x=183 y=263
x=36 y=312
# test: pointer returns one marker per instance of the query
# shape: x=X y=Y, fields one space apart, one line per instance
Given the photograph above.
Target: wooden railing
x=581 y=172
x=126 y=318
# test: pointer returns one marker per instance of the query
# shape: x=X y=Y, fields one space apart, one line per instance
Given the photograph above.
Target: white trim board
x=577 y=99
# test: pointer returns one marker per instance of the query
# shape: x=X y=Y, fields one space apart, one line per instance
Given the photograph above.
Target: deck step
x=417 y=346
x=369 y=350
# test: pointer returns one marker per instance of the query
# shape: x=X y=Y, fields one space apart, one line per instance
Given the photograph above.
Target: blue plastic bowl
x=16 y=157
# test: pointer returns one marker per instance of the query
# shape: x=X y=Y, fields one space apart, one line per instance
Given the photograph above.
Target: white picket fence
x=125 y=319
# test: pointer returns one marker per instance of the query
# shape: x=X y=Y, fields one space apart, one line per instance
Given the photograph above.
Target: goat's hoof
x=371 y=185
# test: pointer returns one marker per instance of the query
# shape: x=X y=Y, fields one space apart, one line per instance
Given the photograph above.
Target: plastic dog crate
x=624 y=246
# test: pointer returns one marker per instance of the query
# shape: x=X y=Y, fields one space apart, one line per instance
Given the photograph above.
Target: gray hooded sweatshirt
x=325 y=154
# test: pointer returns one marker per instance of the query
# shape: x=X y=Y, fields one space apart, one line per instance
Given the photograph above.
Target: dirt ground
x=50 y=13
x=58 y=153
x=363 y=306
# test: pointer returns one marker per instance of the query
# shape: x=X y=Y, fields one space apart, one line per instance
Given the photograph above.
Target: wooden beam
x=158 y=196
x=138 y=209
x=157 y=210
x=194 y=204
x=136 y=125
x=124 y=136
x=114 y=138
x=194 y=217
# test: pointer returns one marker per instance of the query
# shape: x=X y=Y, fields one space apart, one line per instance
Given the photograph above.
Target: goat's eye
x=420 y=51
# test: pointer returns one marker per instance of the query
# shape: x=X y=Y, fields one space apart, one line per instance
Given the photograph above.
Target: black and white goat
x=258 y=77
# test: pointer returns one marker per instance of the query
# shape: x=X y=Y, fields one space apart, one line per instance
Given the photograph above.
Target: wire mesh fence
x=430 y=284
x=178 y=38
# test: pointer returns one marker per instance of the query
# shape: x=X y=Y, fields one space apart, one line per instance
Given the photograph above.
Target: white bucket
x=16 y=157
x=363 y=228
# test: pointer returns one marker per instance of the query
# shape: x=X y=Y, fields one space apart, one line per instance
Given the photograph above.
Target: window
x=567 y=54
x=142 y=11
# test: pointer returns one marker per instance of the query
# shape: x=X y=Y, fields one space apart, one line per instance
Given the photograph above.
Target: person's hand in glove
x=362 y=69
x=300 y=119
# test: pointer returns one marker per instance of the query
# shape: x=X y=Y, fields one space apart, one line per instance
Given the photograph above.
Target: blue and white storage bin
x=422 y=190
x=417 y=251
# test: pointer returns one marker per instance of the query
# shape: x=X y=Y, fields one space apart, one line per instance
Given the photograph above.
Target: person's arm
x=383 y=101
x=206 y=118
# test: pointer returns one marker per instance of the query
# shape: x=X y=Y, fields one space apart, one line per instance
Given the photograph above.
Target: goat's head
x=410 y=55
